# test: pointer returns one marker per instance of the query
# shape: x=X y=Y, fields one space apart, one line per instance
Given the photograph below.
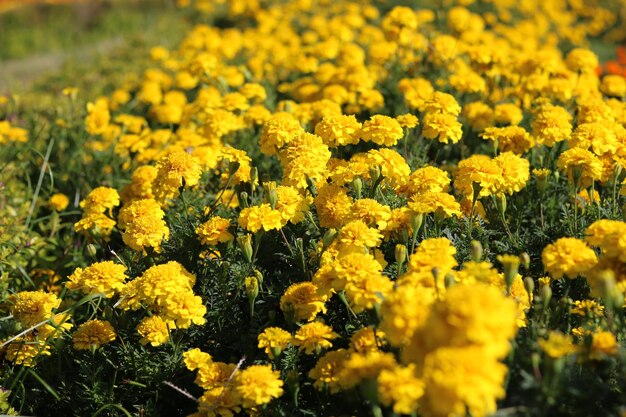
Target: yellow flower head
x=273 y=340
x=214 y=231
x=59 y=201
x=568 y=256
x=153 y=330
x=314 y=337
x=258 y=385
x=93 y=334
x=301 y=301
x=104 y=277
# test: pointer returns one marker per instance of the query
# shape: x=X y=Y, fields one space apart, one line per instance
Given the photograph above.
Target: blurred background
x=41 y=37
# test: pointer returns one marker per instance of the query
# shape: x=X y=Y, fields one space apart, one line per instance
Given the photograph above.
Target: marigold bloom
x=332 y=204
x=357 y=235
x=100 y=200
x=195 y=358
x=328 y=369
x=442 y=204
x=339 y=130
x=568 y=256
x=59 y=201
x=403 y=311
x=515 y=172
x=260 y=217
x=363 y=366
x=173 y=171
x=478 y=169
x=214 y=231
x=273 y=340
x=93 y=334
x=258 y=385
x=400 y=389
x=426 y=179
x=153 y=330
x=143 y=225
x=610 y=236
x=461 y=379
x=382 y=130
x=291 y=204
x=314 y=337
x=278 y=131
x=557 y=345
x=603 y=344
x=510 y=138
x=301 y=301
x=552 y=124
x=33 y=307
x=105 y=277
x=442 y=126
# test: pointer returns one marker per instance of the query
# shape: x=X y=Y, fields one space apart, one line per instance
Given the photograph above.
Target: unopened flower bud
x=510 y=264
x=233 y=166
x=525 y=260
x=328 y=237
x=546 y=295
x=254 y=176
x=92 y=250
x=450 y=280
x=270 y=193
x=401 y=254
x=416 y=220
x=252 y=291
x=501 y=204
x=476 y=251
x=357 y=186
x=243 y=199
x=245 y=244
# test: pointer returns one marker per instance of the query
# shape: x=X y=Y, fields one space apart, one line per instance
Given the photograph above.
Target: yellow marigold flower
x=357 y=235
x=314 y=337
x=403 y=311
x=440 y=102
x=568 y=256
x=603 y=344
x=582 y=60
x=183 y=308
x=153 y=330
x=273 y=340
x=59 y=201
x=473 y=272
x=339 y=130
x=408 y=121
x=368 y=292
x=477 y=315
x=510 y=138
x=613 y=85
x=363 y=366
x=515 y=172
x=400 y=389
x=173 y=171
x=100 y=200
x=433 y=253
x=478 y=169
x=93 y=334
x=291 y=204
x=442 y=204
x=610 y=236
x=305 y=157
x=328 y=369
x=552 y=124
x=350 y=266
x=392 y=165
x=598 y=136
x=332 y=204
x=214 y=231
x=222 y=400
x=232 y=155
x=257 y=115
x=213 y=375
x=260 y=217
x=33 y=307
x=140 y=184
x=479 y=115
x=301 y=301
x=26 y=350
x=98 y=222
x=371 y=212
x=98 y=118
x=366 y=339
x=508 y=113
x=586 y=308
x=258 y=385
x=557 y=345
x=382 y=130
x=278 y=131
x=460 y=381
x=416 y=92
x=426 y=179
x=143 y=225
x=105 y=277
x=442 y=126
x=195 y=358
